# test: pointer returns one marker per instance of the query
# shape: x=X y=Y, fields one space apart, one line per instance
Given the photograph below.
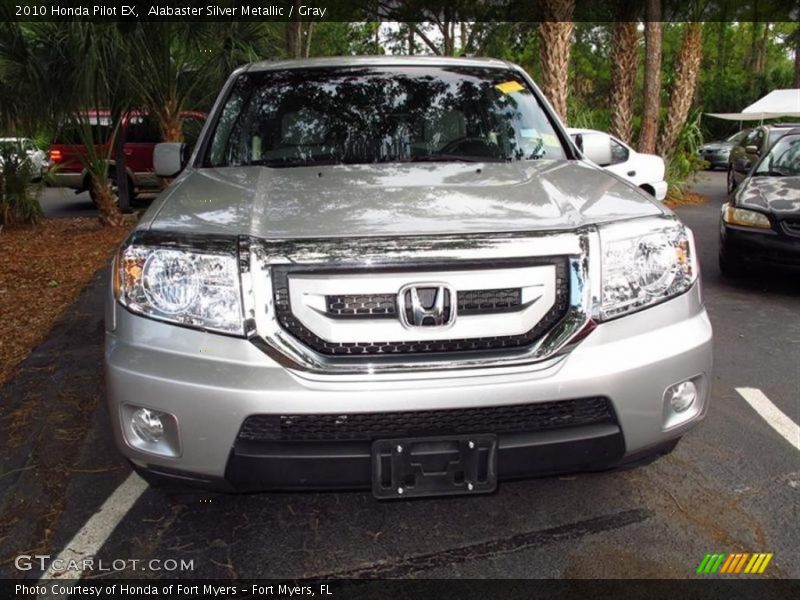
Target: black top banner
x=398 y=10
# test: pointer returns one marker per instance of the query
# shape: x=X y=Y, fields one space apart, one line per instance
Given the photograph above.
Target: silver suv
x=399 y=273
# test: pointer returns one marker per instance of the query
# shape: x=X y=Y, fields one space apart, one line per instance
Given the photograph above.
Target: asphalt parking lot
x=732 y=485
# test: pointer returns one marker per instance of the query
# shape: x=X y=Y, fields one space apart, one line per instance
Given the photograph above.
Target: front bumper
x=759 y=249
x=715 y=159
x=212 y=383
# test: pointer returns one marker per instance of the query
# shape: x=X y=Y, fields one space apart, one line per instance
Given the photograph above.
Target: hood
x=724 y=145
x=773 y=194
x=395 y=199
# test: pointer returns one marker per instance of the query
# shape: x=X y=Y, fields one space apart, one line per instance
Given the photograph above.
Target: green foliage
x=582 y=116
x=19 y=202
x=685 y=162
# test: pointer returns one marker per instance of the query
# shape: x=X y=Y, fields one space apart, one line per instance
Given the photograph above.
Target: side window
x=760 y=139
x=142 y=130
x=751 y=138
x=619 y=153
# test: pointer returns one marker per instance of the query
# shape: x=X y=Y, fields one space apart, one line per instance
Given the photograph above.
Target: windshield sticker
x=508 y=87
x=549 y=139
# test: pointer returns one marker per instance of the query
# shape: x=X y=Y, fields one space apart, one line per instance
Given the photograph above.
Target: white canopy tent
x=778 y=103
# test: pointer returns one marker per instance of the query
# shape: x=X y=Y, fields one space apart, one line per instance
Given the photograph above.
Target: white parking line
x=773 y=415
x=95 y=532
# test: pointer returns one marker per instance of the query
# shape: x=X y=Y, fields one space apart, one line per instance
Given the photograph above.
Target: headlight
x=189 y=287
x=745 y=218
x=644 y=263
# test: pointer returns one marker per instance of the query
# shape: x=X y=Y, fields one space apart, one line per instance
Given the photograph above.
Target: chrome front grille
x=373 y=306
x=381 y=306
x=551 y=314
x=362 y=306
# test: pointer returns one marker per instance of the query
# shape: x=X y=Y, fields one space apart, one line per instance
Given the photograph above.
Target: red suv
x=141 y=136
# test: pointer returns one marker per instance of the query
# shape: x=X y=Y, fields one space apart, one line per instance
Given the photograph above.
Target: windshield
x=374 y=115
x=736 y=136
x=783 y=158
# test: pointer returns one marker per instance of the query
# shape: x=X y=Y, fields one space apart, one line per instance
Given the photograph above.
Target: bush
x=19 y=202
x=685 y=162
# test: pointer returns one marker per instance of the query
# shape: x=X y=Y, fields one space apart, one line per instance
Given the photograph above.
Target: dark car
x=750 y=148
x=760 y=224
x=716 y=154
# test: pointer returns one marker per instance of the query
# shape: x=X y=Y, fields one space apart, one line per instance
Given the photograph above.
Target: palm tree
x=652 y=77
x=59 y=69
x=623 y=78
x=170 y=65
x=554 y=51
x=680 y=102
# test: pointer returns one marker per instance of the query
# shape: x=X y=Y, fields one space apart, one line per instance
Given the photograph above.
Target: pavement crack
x=412 y=565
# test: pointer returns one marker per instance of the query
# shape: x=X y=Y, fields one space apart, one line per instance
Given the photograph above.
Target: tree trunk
x=680 y=101
x=556 y=43
x=309 y=33
x=107 y=208
x=722 y=29
x=169 y=121
x=797 y=59
x=762 y=50
x=623 y=79
x=294 y=39
x=652 y=78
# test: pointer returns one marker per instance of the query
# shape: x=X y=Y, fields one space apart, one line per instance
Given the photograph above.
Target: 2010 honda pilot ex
x=399 y=274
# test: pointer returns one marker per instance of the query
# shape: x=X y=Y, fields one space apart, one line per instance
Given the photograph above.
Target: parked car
x=760 y=224
x=716 y=154
x=750 y=148
x=400 y=274
x=27 y=148
x=141 y=136
x=645 y=171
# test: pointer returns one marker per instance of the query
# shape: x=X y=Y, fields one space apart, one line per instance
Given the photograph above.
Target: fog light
x=682 y=396
x=147 y=424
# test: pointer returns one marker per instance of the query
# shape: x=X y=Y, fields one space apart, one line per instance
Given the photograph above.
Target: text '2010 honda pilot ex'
x=398 y=274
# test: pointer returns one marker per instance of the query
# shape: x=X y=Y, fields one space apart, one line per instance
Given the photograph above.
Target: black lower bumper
x=347 y=465
x=310 y=466
x=759 y=249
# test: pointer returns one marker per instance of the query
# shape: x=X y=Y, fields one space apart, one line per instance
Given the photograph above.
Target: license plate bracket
x=434 y=466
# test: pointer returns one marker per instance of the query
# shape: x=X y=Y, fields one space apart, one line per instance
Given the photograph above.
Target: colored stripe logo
x=734 y=564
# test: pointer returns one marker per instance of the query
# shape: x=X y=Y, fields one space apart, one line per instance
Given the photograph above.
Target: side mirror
x=751 y=150
x=742 y=165
x=597 y=148
x=169 y=159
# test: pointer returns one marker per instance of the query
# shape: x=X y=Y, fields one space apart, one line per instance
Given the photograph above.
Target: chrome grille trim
x=384 y=305
x=264 y=330
x=382 y=338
